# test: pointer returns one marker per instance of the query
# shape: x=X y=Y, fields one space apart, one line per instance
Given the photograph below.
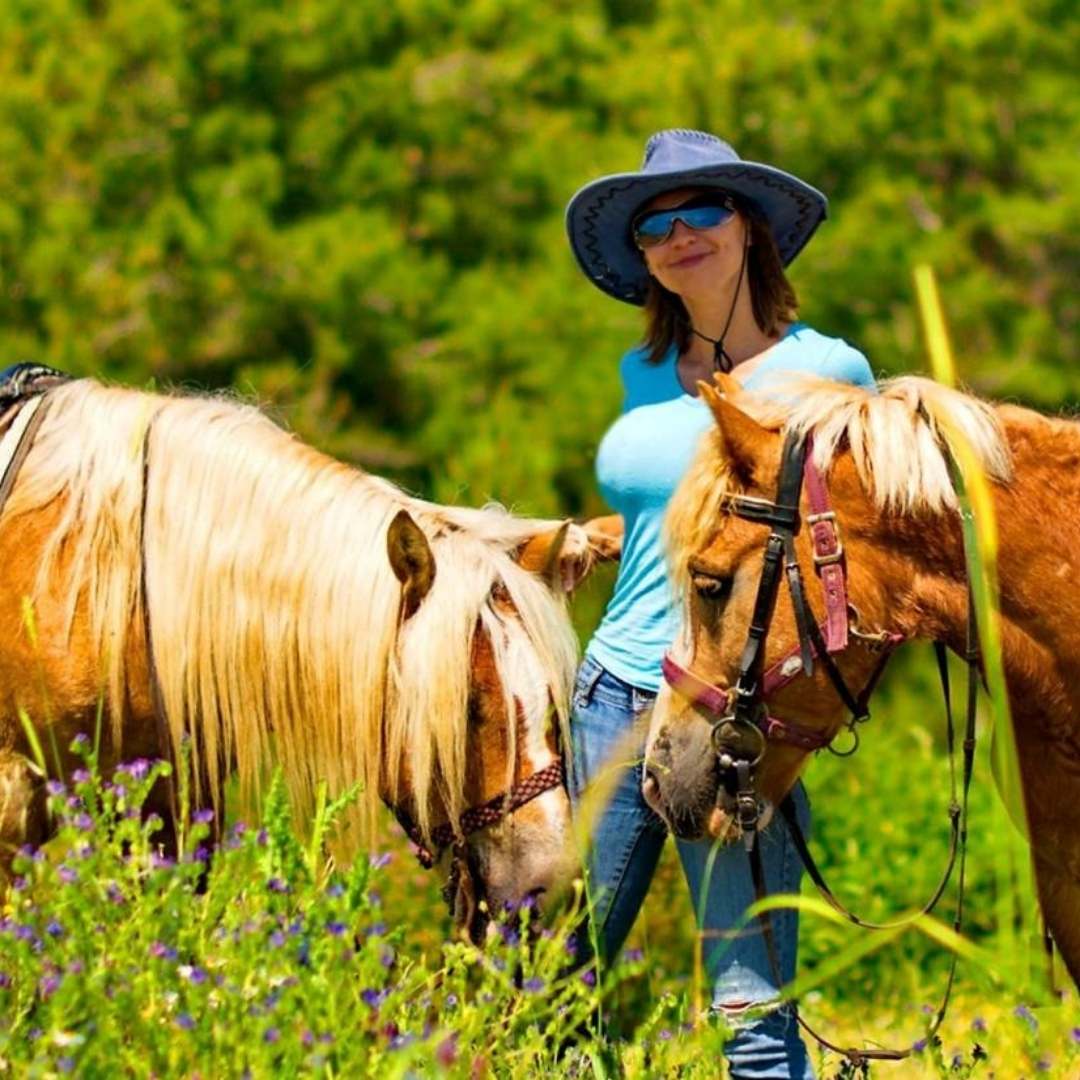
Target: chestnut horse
x=884 y=457
x=300 y=612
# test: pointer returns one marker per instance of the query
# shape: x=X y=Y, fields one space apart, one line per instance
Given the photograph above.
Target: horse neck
x=1038 y=517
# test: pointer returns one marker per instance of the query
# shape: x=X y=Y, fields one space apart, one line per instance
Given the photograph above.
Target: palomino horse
x=883 y=461
x=281 y=631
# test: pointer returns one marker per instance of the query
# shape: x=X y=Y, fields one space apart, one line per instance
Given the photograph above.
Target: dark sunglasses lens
x=655 y=228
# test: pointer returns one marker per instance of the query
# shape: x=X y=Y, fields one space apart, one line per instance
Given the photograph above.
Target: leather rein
x=742 y=725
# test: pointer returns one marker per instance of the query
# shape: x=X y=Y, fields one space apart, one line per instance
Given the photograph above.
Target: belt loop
x=588 y=676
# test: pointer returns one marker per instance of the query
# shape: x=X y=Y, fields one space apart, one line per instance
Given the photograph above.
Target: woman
x=700 y=239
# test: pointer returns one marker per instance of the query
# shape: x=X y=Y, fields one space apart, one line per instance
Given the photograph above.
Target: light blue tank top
x=639 y=464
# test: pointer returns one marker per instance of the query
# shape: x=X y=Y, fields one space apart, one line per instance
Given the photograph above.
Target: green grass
x=114 y=964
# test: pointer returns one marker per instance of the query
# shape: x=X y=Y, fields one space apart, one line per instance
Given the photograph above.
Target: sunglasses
x=653 y=227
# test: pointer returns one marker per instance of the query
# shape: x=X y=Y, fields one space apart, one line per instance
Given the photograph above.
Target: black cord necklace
x=722 y=360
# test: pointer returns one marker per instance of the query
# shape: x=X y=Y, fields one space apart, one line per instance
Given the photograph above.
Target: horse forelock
x=273 y=608
x=897 y=437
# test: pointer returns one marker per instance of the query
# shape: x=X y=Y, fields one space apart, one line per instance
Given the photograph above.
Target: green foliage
x=354 y=210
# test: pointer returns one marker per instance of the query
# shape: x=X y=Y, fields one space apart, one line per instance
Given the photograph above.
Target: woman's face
x=695 y=262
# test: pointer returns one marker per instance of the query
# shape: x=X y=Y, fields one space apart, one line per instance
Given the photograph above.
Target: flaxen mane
x=895 y=436
x=273 y=609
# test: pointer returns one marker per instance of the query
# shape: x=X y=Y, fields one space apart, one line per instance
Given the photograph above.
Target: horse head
x=498 y=813
x=719 y=527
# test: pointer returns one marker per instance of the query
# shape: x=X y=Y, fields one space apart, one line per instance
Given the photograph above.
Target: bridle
x=452 y=836
x=742 y=726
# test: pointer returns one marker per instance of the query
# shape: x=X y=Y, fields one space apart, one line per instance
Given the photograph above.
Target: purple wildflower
x=589 y=977
x=335 y=890
x=114 y=894
x=381 y=860
x=55 y=787
x=138 y=769
x=509 y=934
x=919 y=1045
x=24 y=933
x=451 y=1001
x=387 y=958
x=83 y=822
x=1022 y=1012
x=978 y=1024
x=75 y=967
x=376 y=929
x=632 y=956
x=81 y=776
x=203 y=817
x=308 y=1038
x=271 y=1035
x=336 y=928
x=84 y=851
x=65 y=1064
x=5 y=980
x=400 y=1041
x=239 y=828
x=277 y=939
x=160 y=951
x=119 y=791
x=326 y=1038
x=374 y=998
x=54 y=929
x=261 y=837
x=80 y=741
x=186 y=1021
x=1042 y=1065
x=1075 y=1034
x=665 y=1034
x=159 y=861
x=276 y=885
x=533 y=985
x=66 y=874
x=49 y=984
x=957 y=1061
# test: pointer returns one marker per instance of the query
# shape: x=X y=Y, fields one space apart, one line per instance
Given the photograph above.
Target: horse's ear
x=411 y=560
x=561 y=556
x=746 y=443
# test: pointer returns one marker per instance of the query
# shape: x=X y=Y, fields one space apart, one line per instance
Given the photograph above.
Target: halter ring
x=740 y=740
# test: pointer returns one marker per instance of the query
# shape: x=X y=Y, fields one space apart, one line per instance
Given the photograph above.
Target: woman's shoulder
x=830 y=357
x=646 y=382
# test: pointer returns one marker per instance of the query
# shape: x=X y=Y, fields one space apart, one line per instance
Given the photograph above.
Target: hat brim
x=598 y=217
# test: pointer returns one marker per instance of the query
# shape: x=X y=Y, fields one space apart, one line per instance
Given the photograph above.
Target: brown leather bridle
x=449 y=835
x=742 y=726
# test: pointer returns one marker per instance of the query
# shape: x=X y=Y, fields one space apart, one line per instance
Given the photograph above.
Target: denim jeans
x=626 y=841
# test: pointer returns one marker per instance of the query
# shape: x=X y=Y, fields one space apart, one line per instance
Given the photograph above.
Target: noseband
x=449 y=835
x=742 y=725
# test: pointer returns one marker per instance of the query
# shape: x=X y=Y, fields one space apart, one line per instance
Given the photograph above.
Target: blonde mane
x=273 y=610
x=898 y=438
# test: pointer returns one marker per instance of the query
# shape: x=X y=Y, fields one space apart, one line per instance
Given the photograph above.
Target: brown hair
x=771 y=294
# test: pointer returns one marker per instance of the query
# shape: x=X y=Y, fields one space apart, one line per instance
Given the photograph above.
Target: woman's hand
x=605 y=535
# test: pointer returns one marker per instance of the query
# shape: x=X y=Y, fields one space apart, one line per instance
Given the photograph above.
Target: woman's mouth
x=689 y=260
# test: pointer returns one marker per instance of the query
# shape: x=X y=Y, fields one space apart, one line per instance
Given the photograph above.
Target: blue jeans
x=626 y=841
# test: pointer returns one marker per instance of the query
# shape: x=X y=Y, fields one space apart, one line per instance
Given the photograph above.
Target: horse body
x=889 y=485
x=279 y=632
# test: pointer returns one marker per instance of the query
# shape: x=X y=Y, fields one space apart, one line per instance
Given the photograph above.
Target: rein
x=742 y=726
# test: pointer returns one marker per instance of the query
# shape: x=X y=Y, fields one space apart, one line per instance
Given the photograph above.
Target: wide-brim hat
x=598 y=217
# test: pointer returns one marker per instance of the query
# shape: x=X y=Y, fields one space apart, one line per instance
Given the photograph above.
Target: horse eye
x=710 y=586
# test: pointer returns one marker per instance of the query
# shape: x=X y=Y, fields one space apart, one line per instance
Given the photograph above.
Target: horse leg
x=23 y=809
x=1051 y=782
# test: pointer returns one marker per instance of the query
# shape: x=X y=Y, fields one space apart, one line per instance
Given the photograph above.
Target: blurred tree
x=353 y=210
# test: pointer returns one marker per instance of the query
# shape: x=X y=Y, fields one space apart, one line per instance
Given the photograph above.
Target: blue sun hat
x=599 y=215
